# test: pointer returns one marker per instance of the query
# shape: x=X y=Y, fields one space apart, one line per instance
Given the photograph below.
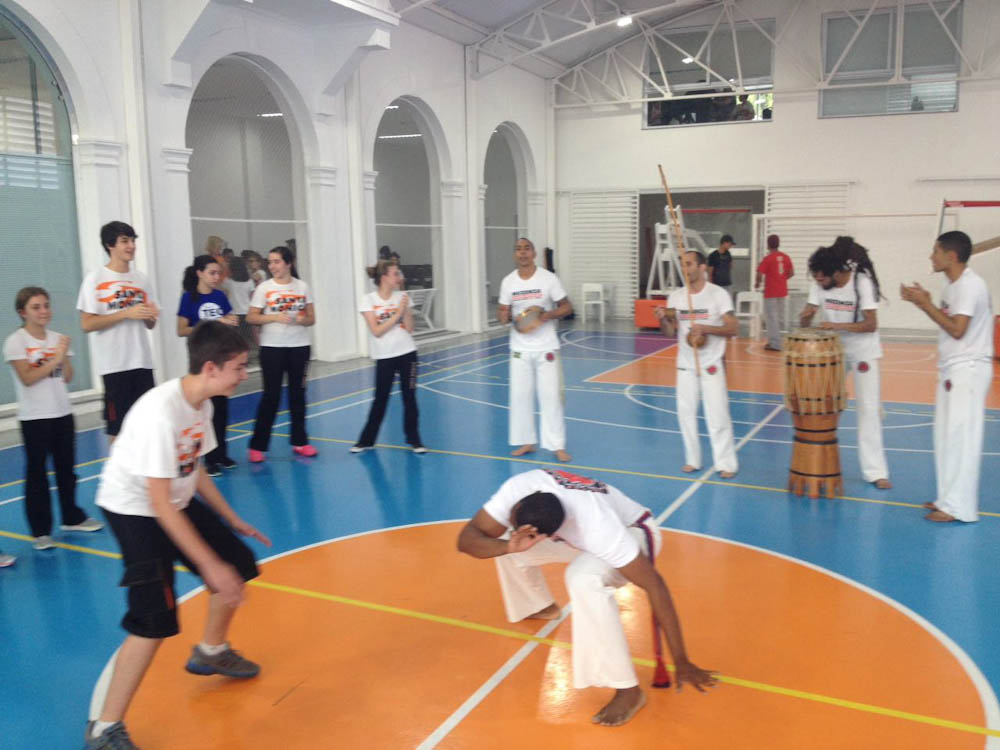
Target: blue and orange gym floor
x=843 y=623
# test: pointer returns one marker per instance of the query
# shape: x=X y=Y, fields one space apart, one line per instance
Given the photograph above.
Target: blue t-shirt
x=209 y=306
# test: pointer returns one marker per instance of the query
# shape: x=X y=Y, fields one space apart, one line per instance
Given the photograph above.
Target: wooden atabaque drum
x=814 y=395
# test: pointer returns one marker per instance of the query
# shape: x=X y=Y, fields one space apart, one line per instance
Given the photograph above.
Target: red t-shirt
x=776 y=267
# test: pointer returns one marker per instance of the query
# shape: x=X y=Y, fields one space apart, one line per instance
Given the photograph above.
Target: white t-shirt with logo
x=841 y=305
x=544 y=290
x=707 y=308
x=597 y=514
x=967 y=295
x=395 y=342
x=47 y=398
x=125 y=345
x=273 y=298
x=162 y=437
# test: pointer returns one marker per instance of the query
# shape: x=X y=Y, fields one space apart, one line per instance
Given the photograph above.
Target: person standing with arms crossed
x=283 y=307
x=534 y=353
x=846 y=290
x=706 y=324
x=116 y=305
x=965 y=371
x=203 y=300
x=773 y=272
x=720 y=263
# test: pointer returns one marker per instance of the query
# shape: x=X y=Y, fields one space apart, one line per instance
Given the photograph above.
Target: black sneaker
x=213 y=470
x=113 y=738
x=228 y=463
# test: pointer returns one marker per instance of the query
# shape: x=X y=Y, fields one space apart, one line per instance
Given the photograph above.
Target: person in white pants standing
x=707 y=323
x=965 y=370
x=545 y=516
x=847 y=292
x=534 y=353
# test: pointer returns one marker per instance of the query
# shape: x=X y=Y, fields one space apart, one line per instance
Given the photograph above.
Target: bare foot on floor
x=688 y=468
x=522 y=450
x=551 y=612
x=929 y=506
x=940 y=516
x=621 y=708
x=563 y=456
x=882 y=484
x=727 y=474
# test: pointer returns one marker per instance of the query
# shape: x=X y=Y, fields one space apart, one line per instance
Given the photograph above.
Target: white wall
x=895 y=163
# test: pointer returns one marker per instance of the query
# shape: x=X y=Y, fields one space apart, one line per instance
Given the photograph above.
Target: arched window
x=38 y=215
x=504 y=214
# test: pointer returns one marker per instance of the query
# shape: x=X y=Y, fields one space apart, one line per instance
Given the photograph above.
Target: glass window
x=928 y=60
x=705 y=74
x=38 y=228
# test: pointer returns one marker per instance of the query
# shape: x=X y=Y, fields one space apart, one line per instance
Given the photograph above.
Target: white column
x=370 y=253
x=453 y=269
x=481 y=294
x=101 y=196
x=174 y=252
x=332 y=277
x=537 y=222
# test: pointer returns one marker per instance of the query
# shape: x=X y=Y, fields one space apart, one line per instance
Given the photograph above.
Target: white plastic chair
x=593 y=294
x=750 y=307
x=422 y=300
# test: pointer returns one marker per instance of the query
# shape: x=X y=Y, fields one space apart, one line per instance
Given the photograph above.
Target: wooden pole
x=680 y=256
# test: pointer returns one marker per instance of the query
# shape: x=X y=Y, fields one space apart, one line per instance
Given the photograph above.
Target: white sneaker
x=43 y=542
x=6 y=560
x=88 y=524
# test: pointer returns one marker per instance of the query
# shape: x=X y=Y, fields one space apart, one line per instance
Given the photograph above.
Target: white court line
x=630 y=362
x=491 y=683
x=51 y=489
x=564 y=337
x=700 y=482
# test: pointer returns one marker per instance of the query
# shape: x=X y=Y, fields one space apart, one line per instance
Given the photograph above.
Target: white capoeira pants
x=541 y=371
x=715 y=400
x=959 y=412
x=774 y=318
x=601 y=656
x=868 y=405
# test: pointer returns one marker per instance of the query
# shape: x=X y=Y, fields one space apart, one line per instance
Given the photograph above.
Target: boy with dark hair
x=965 y=371
x=147 y=493
x=608 y=540
x=116 y=305
x=720 y=263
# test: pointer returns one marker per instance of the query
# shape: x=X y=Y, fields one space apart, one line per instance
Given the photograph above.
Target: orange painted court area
x=909 y=371
x=337 y=673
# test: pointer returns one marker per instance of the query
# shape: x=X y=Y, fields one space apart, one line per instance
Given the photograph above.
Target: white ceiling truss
x=603 y=78
x=554 y=23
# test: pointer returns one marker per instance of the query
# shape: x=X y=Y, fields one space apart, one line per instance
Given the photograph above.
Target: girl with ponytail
x=203 y=300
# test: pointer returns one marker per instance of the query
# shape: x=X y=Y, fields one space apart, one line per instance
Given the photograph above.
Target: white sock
x=98 y=729
x=213 y=650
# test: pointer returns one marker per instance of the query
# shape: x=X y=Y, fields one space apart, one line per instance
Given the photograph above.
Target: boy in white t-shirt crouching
x=147 y=493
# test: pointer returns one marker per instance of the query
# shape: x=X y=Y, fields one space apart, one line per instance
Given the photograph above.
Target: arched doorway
x=38 y=214
x=408 y=201
x=505 y=210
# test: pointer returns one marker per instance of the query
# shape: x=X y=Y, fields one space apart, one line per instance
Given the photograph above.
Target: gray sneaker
x=43 y=542
x=88 y=524
x=114 y=737
x=228 y=663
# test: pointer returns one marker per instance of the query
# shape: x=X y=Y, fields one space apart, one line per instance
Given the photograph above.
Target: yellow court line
x=507 y=633
x=737 y=681
x=648 y=475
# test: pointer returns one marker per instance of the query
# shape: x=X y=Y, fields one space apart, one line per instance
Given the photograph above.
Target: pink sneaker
x=304 y=450
x=255 y=457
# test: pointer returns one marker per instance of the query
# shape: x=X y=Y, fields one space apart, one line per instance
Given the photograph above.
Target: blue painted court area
x=59 y=609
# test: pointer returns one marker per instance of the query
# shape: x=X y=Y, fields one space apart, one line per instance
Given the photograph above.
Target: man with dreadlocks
x=847 y=291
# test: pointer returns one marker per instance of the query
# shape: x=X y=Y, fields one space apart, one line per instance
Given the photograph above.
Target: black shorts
x=149 y=556
x=121 y=390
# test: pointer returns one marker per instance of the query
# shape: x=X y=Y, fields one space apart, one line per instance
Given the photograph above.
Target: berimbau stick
x=680 y=256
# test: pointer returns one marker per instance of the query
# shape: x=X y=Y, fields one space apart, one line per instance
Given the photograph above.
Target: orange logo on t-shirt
x=43 y=354
x=278 y=301
x=120 y=295
x=188 y=448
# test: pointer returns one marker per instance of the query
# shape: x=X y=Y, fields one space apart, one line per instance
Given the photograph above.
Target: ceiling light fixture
x=271 y=114
x=393 y=106
x=625 y=19
x=688 y=60
x=402 y=135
